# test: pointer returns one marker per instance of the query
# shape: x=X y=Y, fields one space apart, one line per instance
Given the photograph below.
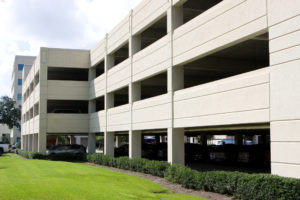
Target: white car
x=3 y=148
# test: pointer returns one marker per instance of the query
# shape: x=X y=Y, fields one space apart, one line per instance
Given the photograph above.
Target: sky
x=27 y=25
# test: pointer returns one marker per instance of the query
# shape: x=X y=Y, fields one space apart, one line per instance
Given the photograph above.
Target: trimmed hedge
x=242 y=186
x=155 y=168
x=57 y=157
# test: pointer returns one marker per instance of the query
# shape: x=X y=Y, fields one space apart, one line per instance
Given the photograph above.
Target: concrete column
x=110 y=61
x=238 y=139
x=135 y=92
x=176 y=146
x=162 y=139
x=203 y=140
x=28 y=143
x=42 y=142
x=32 y=142
x=72 y=139
x=135 y=44
x=92 y=106
x=109 y=143
x=118 y=141
x=35 y=142
x=92 y=73
x=109 y=100
x=135 y=144
x=92 y=143
x=24 y=143
x=192 y=140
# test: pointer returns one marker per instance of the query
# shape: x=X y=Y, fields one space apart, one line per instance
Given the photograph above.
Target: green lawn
x=22 y=179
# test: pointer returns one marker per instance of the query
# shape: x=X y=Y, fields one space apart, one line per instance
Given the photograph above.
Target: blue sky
x=26 y=25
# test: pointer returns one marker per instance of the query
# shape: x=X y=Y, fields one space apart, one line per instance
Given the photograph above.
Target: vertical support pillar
x=109 y=143
x=176 y=146
x=118 y=141
x=32 y=142
x=28 y=143
x=42 y=143
x=238 y=139
x=92 y=106
x=203 y=139
x=92 y=73
x=135 y=144
x=162 y=139
x=92 y=143
x=72 y=139
x=110 y=100
x=24 y=142
x=35 y=142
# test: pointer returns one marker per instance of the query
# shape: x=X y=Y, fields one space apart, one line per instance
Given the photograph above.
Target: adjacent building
x=22 y=64
x=177 y=68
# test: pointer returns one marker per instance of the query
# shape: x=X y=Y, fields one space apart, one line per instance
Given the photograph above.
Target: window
x=19 y=81
x=19 y=97
x=20 y=67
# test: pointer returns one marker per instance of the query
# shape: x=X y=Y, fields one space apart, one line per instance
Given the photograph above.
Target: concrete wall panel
x=68 y=90
x=151 y=112
x=153 y=59
x=68 y=58
x=98 y=86
x=118 y=36
x=67 y=123
x=147 y=12
x=222 y=25
x=119 y=76
x=98 y=52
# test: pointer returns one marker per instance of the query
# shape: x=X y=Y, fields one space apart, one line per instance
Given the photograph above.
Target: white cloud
x=27 y=25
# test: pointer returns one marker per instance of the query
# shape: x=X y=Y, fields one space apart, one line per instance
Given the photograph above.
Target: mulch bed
x=175 y=188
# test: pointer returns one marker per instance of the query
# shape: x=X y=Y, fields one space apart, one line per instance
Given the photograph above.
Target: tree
x=9 y=113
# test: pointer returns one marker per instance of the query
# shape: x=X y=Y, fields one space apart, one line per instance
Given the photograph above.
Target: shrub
x=156 y=168
x=61 y=157
x=242 y=186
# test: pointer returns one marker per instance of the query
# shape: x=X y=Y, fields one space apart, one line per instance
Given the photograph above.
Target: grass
x=48 y=180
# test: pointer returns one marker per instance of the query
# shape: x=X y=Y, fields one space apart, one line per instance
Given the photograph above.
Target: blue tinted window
x=19 y=97
x=19 y=81
x=20 y=67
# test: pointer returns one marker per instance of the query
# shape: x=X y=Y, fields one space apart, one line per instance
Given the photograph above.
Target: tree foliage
x=10 y=114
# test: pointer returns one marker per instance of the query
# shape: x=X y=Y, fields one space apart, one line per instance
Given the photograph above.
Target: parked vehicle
x=4 y=148
x=74 y=149
x=224 y=153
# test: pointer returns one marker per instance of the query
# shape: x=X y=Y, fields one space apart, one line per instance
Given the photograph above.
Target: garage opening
x=67 y=107
x=118 y=56
x=244 y=57
x=100 y=104
x=68 y=74
x=245 y=150
x=155 y=145
x=121 y=147
x=154 y=86
x=155 y=32
x=118 y=98
x=99 y=69
x=193 y=8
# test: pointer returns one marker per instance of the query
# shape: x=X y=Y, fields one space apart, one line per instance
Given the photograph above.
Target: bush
x=242 y=186
x=156 y=168
x=30 y=155
x=61 y=157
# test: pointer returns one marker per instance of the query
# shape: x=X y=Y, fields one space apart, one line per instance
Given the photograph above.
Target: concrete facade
x=176 y=65
x=22 y=64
